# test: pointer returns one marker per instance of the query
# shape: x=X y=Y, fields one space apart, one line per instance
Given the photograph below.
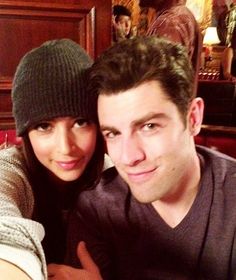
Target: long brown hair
x=48 y=210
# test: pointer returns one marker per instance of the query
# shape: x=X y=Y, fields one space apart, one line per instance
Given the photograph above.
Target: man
x=167 y=211
x=176 y=22
x=122 y=24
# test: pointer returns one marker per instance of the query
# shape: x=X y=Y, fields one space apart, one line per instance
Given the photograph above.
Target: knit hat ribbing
x=49 y=82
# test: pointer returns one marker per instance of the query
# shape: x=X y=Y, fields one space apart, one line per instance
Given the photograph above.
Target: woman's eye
x=43 y=127
x=81 y=123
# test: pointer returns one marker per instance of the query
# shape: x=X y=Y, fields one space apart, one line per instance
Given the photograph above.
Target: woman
x=228 y=61
x=62 y=154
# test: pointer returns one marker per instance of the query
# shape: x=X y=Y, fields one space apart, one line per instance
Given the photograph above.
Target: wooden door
x=26 y=24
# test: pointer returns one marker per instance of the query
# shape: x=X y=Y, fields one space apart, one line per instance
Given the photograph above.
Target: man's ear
x=195 y=115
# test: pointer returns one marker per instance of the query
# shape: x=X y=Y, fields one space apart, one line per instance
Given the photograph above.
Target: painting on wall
x=202 y=10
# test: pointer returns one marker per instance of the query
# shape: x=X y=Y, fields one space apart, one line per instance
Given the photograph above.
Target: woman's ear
x=195 y=115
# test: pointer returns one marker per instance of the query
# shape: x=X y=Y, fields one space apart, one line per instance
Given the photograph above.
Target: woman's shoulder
x=12 y=155
x=15 y=186
x=13 y=165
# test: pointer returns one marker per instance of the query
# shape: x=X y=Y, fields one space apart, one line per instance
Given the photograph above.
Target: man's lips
x=141 y=175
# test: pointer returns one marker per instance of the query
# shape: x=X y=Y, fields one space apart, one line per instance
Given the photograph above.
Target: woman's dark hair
x=47 y=196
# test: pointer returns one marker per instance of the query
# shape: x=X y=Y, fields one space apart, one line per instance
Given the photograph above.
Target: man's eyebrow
x=148 y=117
x=138 y=122
x=107 y=127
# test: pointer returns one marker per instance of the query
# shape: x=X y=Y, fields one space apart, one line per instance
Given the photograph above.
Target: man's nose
x=132 y=151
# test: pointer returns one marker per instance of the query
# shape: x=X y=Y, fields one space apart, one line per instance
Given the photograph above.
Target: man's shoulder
x=111 y=181
x=109 y=175
x=219 y=175
x=179 y=11
x=222 y=165
x=180 y=18
x=110 y=185
x=111 y=192
x=215 y=155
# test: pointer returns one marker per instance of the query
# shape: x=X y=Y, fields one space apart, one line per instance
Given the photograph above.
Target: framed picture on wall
x=202 y=10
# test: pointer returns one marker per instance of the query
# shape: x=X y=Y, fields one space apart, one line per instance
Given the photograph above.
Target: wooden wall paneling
x=6 y=120
x=27 y=24
x=220 y=102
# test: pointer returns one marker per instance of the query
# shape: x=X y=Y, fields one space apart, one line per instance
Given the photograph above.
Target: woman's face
x=64 y=146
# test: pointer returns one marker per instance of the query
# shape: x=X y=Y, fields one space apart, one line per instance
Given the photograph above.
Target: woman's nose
x=64 y=142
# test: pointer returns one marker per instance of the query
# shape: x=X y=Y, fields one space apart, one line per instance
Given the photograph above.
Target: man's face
x=151 y=147
x=124 y=22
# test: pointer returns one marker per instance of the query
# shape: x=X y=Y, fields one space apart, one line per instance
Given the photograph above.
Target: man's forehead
x=146 y=86
x=135 y=106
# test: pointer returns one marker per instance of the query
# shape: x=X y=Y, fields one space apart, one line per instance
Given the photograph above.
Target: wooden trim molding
x=218 y=130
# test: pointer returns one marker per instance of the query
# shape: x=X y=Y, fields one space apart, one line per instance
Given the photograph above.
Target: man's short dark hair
x=120 y=10
x=133 y=62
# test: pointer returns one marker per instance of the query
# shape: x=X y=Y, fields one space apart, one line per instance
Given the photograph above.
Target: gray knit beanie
x=50 y=82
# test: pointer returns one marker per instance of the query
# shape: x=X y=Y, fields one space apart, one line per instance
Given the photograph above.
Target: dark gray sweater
x=129 y=240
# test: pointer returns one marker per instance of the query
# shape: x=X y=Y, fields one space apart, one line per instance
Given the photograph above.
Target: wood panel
x=27 y=24
x=220 y=102
x=218 y=138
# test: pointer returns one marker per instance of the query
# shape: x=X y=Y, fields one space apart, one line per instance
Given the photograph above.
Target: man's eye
x=81 y=123
x=109 y=135
x=43 y=126
x=149 y=126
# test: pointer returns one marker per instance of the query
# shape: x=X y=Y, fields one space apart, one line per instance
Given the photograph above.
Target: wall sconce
x=210 y=38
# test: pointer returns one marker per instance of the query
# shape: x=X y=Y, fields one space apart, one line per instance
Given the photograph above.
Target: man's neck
x=175 y=207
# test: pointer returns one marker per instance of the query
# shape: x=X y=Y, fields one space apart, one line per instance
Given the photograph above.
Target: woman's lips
x=68 y=165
